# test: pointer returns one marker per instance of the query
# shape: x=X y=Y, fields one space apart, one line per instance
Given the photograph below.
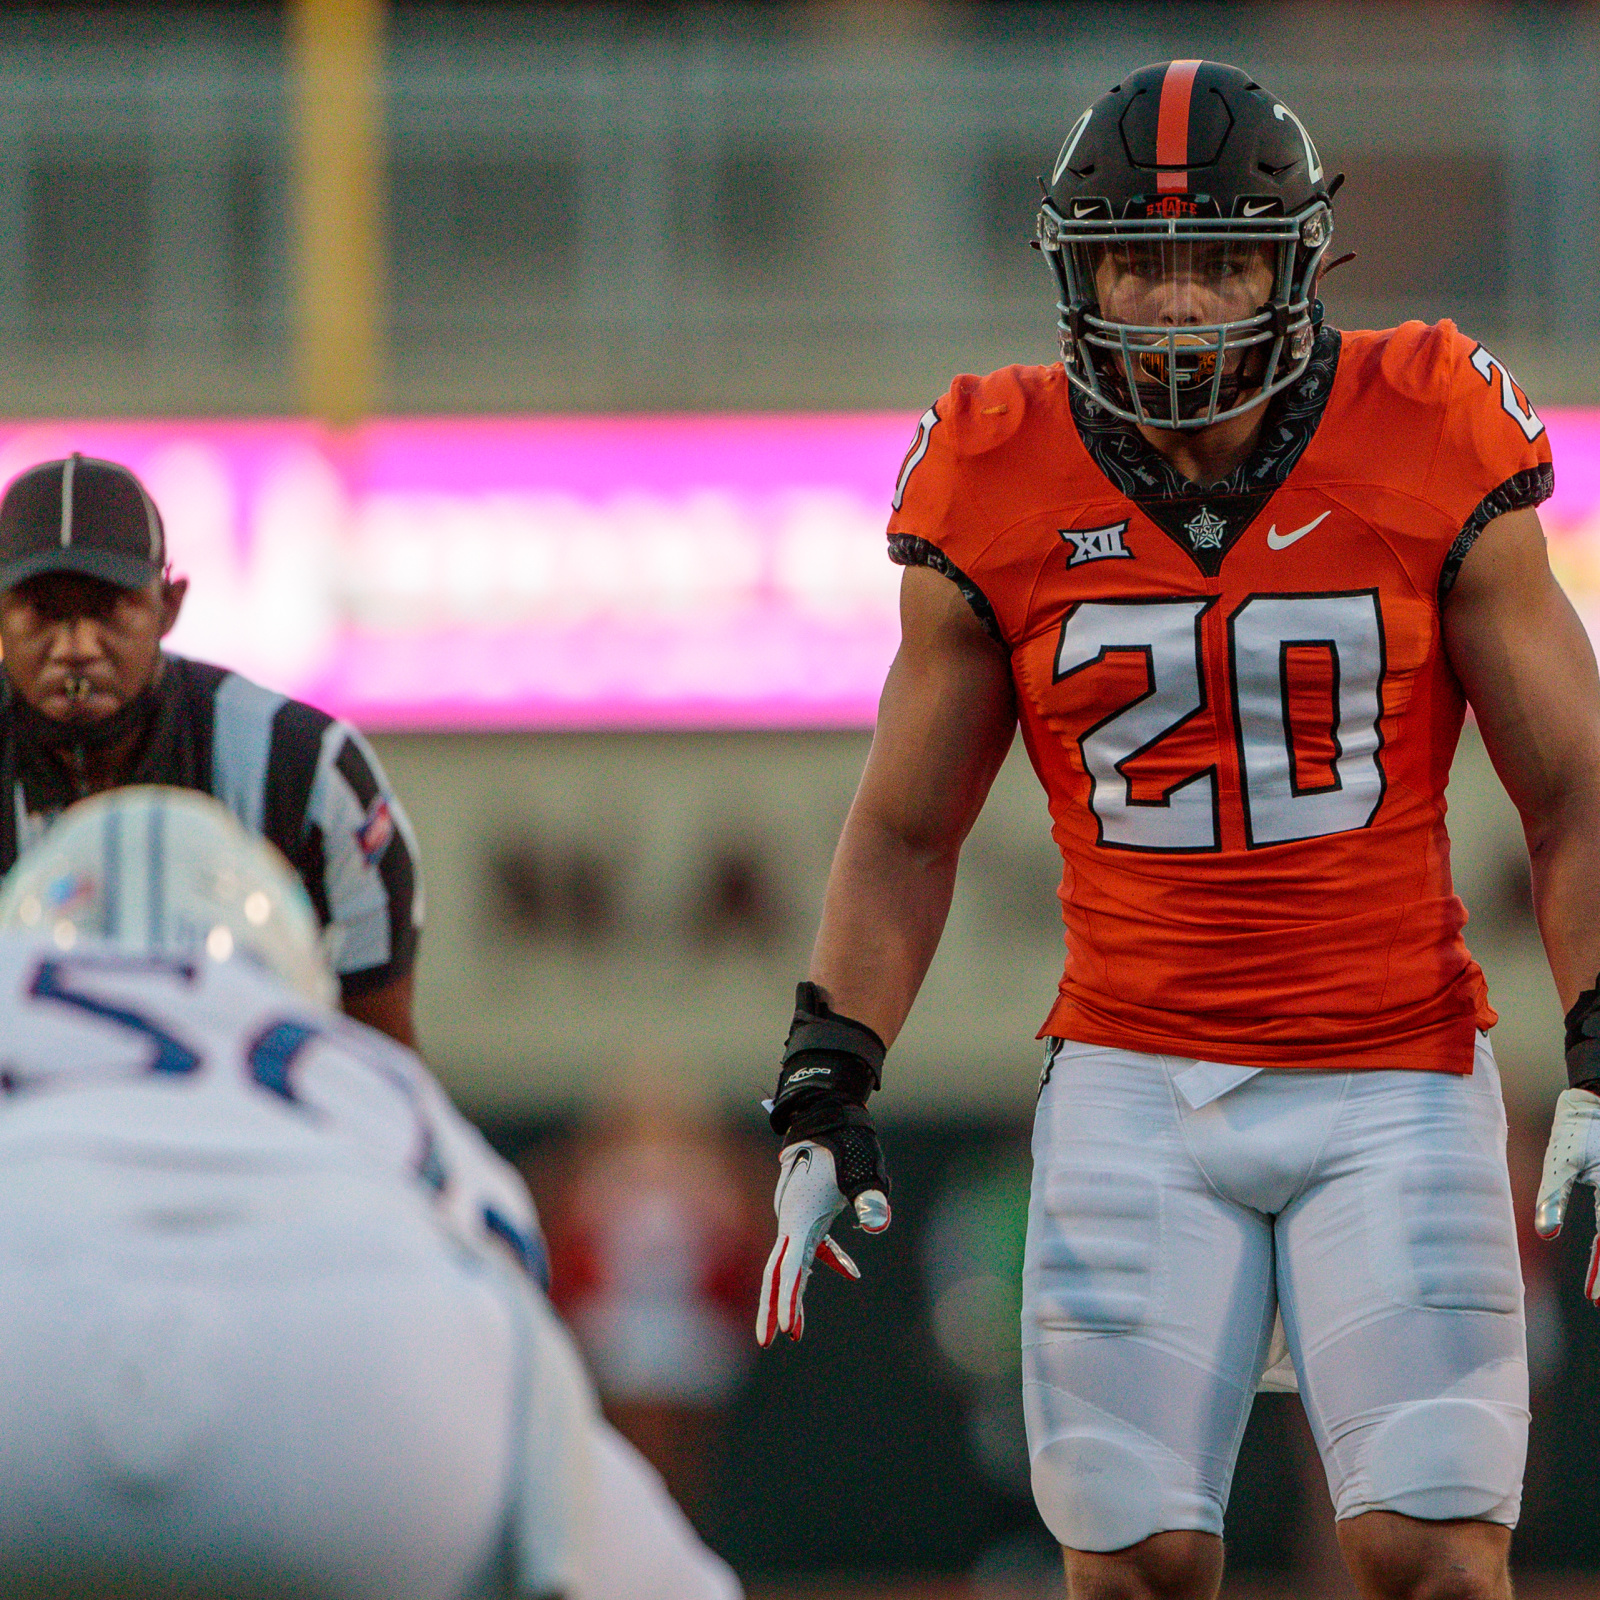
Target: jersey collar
x=1206 y=523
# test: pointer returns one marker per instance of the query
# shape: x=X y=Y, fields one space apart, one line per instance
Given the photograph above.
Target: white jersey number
x=1167 y=634
x=1516 y=406
x=1280 y=803
x=1347 y=630
x=919 y=448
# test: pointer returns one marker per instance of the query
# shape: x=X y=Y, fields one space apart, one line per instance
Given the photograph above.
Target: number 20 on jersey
x=1280 y=802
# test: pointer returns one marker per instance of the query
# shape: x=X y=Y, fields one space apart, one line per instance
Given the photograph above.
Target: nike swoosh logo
x=1254 y=208
x=1282 y=541
x=1079 y=209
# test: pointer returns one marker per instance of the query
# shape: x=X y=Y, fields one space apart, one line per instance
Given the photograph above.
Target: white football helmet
x=168 y=872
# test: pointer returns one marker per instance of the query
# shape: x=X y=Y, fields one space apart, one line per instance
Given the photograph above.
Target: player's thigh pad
x=1402 y=1297
x=1147 y=1307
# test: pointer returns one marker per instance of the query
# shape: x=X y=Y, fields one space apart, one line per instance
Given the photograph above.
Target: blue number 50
x=54 y=981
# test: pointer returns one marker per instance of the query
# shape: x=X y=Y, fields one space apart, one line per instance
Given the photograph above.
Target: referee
x=90 y=702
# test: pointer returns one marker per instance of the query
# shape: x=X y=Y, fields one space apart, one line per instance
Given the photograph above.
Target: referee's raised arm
x=89 y=701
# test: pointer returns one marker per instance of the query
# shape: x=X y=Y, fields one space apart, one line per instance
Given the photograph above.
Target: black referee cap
x=80 y=515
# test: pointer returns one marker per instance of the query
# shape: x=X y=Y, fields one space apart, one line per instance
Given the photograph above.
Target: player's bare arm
x=945 y=722
x=1529 y=672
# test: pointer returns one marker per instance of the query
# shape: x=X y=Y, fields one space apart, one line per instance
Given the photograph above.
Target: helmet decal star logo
x=1205 y=531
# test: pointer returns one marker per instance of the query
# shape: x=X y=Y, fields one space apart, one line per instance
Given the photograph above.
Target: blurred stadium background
x=356 y=286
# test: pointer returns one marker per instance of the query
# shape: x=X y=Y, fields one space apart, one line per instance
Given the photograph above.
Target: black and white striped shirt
x=305 y=781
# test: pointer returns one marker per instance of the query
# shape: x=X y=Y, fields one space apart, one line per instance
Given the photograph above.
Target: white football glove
x=807 y=1200
x=1572 y=1156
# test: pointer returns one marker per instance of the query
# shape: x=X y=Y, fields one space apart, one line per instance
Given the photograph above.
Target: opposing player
x=1238 y=575
x=271 y=1320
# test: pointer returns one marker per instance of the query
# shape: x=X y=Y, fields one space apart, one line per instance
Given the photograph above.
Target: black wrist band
x=1583 y=1040
x=829 y=1063
x=817 y=1026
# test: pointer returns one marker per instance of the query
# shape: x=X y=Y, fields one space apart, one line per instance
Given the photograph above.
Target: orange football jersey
x=1237 y=699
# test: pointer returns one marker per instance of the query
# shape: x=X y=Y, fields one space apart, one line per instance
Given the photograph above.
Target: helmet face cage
x=1186 y=374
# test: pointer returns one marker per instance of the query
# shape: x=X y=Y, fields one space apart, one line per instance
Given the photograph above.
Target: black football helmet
x=1181 y=164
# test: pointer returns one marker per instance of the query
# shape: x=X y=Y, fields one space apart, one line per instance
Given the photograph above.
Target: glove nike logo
x=803 y=1155
x=1282 y=541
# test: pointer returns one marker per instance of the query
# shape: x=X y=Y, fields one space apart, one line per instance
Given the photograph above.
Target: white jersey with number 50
x=108 y=1054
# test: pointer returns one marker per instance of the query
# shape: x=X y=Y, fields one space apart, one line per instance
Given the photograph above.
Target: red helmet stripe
x=1172 y=127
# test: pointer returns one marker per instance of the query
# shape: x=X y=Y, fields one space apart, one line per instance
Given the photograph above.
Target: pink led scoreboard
x=614 y=572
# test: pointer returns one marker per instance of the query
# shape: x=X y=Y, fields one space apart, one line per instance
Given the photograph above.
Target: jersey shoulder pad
x=974 y=416
x=957 y=449
x=969 y=474
x=982 y=413
x=1415 y=361
x=1494 y=452
x=1446 y=410
x=1485 y=415
x=1477 y=447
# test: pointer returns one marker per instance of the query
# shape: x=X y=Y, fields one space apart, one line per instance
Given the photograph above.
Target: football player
x=272 y=1323
x=1237 y=575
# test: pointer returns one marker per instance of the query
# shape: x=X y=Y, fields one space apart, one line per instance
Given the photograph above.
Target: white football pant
x=1177 y=1205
